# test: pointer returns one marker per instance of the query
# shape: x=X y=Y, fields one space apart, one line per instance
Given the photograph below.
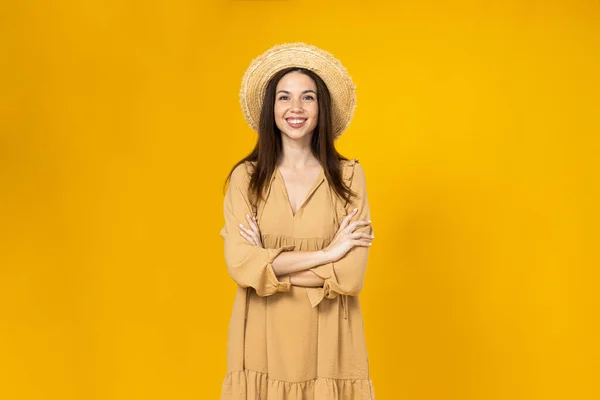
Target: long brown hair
x=268 y=148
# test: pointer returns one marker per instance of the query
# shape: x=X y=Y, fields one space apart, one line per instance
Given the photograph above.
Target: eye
x=309 y=97
x=281 y=97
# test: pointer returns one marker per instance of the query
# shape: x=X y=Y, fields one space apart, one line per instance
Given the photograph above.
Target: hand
x=345 y=238
x=251 y=234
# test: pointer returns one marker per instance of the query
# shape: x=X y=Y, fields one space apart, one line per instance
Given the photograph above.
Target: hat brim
x=298 y=54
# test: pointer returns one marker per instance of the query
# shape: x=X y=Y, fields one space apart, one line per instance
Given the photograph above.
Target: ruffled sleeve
x=346 y=276
x=248 y=265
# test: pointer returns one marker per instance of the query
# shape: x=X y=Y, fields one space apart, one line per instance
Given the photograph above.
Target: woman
x=297 y=234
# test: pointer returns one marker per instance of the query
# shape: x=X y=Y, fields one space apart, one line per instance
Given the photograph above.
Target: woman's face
x=296 y=106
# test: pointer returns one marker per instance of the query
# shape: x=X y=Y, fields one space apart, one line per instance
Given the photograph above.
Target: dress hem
x=249 y=384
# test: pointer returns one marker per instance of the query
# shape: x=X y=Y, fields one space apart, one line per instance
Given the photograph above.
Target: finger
x=354 y=224
x=255 y=233
x=358 y=235
x=347 y=219
x=248 y=234
x=251 y=223
x=247 y=237
x=246 y=229
x=250 y=220
x=255 y=237
x=361 y=243
x=256 y=230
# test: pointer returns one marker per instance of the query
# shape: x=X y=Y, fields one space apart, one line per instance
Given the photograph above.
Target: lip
x=295 y=126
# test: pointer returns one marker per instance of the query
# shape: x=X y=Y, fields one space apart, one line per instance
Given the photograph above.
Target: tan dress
x=291 y=342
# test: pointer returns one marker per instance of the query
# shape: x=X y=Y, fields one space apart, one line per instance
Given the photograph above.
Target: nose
x=296 y=105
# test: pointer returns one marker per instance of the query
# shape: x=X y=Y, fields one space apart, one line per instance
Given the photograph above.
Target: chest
x=298 y=187
x=315 y=217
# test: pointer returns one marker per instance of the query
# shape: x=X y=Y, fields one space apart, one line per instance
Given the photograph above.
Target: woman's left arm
x=346 y=276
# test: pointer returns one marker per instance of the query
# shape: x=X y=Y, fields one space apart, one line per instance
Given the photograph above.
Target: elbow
x=348 y=278
x=258 y=274
x=354 y=288
x=236 y=272
x=239 y=266
x=349 y=286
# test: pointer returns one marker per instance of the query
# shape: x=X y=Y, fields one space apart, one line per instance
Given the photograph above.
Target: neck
x=297 y=154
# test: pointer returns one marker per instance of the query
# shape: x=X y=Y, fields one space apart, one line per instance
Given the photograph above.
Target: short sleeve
x=248 y=265
x=346 y=276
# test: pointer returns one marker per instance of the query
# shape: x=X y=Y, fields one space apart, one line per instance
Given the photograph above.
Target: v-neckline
x=314 y=187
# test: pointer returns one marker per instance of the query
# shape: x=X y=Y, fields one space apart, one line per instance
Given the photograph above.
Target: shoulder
x=241 y=174
x=352 y=170
x=350 y=163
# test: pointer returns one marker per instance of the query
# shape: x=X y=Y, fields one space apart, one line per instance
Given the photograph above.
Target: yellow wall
x=477 y=126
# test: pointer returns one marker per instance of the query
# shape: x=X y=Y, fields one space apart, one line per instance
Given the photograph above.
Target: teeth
x=296 y=121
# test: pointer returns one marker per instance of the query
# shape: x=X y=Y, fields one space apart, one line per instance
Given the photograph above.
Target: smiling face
x=296 y=106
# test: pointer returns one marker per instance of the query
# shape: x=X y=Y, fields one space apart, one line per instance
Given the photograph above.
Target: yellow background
x=477 y=126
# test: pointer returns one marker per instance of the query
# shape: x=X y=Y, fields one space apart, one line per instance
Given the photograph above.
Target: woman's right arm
x=248 y=265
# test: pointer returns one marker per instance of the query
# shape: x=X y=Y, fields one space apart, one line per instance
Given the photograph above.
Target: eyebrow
x=306 y=91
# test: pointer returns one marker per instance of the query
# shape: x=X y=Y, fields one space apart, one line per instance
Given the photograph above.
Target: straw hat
x=298 y=54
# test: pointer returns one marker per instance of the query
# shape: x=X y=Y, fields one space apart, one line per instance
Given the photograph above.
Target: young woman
x=297 y=235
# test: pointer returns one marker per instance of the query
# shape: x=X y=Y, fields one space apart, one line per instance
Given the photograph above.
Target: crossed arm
x=296 y=264
x=273 y=270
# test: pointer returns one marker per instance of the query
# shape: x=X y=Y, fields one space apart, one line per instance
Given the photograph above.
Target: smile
x=296 y=122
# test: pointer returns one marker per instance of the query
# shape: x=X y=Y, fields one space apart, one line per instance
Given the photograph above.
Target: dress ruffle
x=301 y=244
x=252 y=385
